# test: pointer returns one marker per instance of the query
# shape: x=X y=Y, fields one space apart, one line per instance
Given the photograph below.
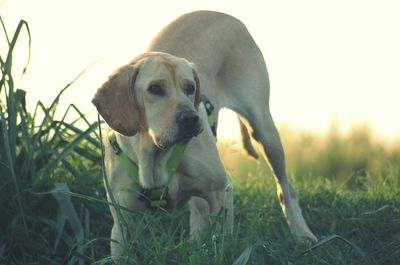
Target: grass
x=367 y=217
x=37 y=150
x=53 y=208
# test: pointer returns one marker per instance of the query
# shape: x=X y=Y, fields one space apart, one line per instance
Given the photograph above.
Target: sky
x=327 y=60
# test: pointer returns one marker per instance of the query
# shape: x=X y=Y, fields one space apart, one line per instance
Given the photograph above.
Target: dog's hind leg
x=243 y=86
x=265 y=132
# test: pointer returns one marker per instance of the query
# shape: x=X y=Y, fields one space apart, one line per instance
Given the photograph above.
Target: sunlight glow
x=327 y=60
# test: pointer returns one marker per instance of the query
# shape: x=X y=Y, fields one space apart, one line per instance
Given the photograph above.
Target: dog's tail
x=246 y=140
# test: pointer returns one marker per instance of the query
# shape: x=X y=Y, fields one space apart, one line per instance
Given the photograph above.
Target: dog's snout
x=188 y=118
x=189 y=125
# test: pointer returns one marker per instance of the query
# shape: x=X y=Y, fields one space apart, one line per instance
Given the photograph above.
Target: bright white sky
x=325 y=58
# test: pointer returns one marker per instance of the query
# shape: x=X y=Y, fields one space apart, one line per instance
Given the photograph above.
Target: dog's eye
x=189 y=89
x=156 y=89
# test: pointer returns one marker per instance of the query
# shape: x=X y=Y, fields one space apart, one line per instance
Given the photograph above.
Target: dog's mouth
x=183 y=136
x=186 y=136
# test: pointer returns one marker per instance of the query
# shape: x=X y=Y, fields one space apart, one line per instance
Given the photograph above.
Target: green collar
x=157 y=197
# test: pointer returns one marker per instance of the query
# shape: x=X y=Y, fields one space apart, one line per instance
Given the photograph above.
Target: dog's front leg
x=123 y=195
x=212 y=203
x=146 y=151
x=199 y=213
x=125 y=208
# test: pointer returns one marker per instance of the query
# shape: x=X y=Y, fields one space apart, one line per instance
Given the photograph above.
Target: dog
x=153 y=104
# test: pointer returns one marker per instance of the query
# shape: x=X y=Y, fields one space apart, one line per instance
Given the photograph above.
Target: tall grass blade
x=14 y=98
x=50 y=112
x=337 y=237
x=13 y=175
x=61 y=193
x=6 y=68
x=61 y=219
x=76 y=130
x=256 y=254
x=70 y=147
x=244 y=257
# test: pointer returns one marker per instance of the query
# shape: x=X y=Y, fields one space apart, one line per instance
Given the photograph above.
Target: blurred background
x=334 y=68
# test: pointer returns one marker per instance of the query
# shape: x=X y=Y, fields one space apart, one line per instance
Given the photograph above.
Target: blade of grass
x=8 y=63
x=60 y=192
x=89 y=198
x=14 y=177
x=81 y=117
x=244 y=257
x=70 y=147
x=11 y=97
x=61 y=219
x=337 y=237
x=89 y=155
x=76 y=130
x=57 y=125
x=50 y=112
x=28 y=166
x=5 y=30
x=70 y=168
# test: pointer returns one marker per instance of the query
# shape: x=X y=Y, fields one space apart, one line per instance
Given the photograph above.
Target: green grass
x=37 y=150
x=53 y=207
x=367 y=217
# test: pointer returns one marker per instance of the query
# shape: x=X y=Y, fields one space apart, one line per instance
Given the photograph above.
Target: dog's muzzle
x=189 y=125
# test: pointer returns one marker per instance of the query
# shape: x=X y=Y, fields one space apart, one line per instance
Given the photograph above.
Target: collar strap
x=128 y=164
x=157 y=197
x=212 y=119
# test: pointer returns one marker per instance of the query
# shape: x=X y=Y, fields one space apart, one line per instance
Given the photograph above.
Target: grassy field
x=53 y=208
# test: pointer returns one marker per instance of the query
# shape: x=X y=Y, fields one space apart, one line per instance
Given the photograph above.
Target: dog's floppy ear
x=197 y=80
x=116 y=103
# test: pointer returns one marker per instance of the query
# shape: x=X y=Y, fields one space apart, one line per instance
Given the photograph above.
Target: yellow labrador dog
x=152 y=104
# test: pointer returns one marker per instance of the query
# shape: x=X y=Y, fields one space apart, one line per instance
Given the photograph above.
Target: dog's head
x=156 y=93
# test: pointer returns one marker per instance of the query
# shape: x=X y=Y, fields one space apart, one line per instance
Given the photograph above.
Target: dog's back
x=205 y=36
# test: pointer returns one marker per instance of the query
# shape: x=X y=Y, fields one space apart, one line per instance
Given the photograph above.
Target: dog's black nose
x=188 y=119
x=189 y=124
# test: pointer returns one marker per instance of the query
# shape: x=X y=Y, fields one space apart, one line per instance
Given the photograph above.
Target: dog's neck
x=151 y=161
